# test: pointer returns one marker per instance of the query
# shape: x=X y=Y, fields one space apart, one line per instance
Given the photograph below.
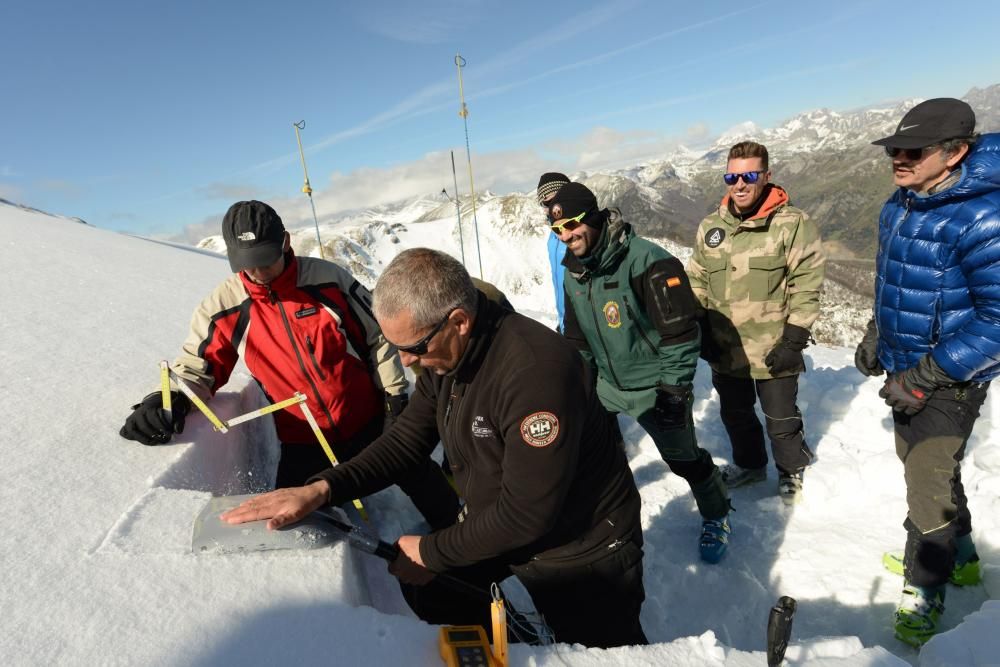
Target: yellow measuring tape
x=223 y=427
x=326 y=448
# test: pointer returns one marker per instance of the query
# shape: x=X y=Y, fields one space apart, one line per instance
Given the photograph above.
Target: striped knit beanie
x=549 y=184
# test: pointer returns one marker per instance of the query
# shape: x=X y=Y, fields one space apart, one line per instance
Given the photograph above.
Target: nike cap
x=254 y=235
x=931 y=122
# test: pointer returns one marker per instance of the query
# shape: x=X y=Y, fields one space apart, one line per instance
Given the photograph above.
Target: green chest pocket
x=715 y=268
x=767 y=277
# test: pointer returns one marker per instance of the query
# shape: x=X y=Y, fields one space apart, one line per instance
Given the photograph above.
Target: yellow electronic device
x=465 y=646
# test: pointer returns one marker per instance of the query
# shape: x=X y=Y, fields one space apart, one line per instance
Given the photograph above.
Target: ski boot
x=790 y=487
x=714 y=539
x=734 y=476
x=963 y=574
x=918 y=614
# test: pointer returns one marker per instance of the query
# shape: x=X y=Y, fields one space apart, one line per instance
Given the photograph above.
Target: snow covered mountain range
x=823 y=158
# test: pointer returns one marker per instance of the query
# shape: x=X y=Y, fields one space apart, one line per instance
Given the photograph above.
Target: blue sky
x=153 y=117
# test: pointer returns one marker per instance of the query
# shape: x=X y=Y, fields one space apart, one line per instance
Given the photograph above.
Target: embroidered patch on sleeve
x=540 y=429
x=673 y=281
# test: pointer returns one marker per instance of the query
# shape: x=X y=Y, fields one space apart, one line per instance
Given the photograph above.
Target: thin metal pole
x=458 y=207
x=307 y=188
x=464 y=113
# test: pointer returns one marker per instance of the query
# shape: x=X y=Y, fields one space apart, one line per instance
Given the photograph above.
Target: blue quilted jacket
x=937 y=287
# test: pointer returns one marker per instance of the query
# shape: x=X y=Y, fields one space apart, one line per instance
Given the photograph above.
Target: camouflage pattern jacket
x=754 y=275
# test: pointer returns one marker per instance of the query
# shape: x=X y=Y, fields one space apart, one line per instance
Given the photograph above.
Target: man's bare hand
x=282 y=507
x=408 y=566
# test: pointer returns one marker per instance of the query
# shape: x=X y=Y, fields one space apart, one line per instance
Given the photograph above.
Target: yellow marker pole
x=268 y=409
x=306 y=188
x=165 y=399
x=464 y=113
x=326 y=448
x=200 y=404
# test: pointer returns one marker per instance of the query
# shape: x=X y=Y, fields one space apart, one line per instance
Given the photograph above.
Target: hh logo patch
x=612 y=314
x=714 y=237
x=540 y=429
x=481 y=429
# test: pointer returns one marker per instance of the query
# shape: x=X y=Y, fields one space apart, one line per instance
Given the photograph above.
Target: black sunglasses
x=420 y=347
x=749 y=177
x=908 y=153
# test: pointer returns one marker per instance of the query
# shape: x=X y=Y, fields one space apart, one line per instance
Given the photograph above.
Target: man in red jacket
x=304 y=325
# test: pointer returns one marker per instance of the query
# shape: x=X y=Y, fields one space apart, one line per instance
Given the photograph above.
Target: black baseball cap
x=931 y=122
x=254 y=235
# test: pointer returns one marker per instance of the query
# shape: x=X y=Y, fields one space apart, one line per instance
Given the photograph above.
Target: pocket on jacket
x=766 y=277
x=715 y=268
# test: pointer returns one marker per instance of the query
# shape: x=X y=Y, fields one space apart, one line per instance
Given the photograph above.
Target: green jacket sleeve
x=806 y=267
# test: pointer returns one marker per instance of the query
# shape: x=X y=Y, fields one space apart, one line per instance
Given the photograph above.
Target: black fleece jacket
x=536 y=457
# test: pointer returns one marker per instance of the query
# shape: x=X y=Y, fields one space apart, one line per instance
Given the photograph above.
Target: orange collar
x=775 y=197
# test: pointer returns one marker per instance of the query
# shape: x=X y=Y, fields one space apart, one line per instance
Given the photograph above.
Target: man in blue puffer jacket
x=936 y=332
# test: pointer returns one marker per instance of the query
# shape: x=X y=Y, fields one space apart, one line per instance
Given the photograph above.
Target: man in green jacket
x=631 y=313
x=757 y=269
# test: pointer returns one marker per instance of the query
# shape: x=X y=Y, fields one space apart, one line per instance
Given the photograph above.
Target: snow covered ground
x=96 y=565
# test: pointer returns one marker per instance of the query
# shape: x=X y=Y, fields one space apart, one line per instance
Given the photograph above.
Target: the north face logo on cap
x=247 y=236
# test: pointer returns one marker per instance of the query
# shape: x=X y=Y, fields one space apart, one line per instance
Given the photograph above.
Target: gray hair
x=952 y=146
x=427 y=283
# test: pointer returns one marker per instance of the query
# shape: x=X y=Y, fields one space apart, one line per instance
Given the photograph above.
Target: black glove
x=710 y=350
x=907 y=392
x=671 y=407
x=866 y=356
x=786 y=357
x=394 y=406
x=148 y=422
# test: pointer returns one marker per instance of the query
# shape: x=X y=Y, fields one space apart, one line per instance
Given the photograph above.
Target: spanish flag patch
x=673 y=282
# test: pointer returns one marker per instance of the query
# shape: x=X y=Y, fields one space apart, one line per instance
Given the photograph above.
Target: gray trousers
x=931 y=445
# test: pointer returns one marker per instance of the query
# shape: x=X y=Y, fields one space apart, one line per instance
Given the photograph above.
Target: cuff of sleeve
x=430 y=554
x=331 y=478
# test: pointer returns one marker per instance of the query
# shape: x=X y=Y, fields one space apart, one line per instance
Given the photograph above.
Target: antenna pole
x=458 y=207
x=307 y=188
x=464 y=113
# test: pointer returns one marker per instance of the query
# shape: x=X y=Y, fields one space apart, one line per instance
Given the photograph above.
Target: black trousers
x=778 y=396
x=426 y=486
x=594 y=601
x=931 y=445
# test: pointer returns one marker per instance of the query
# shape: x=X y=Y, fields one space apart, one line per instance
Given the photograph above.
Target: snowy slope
x=95 y=566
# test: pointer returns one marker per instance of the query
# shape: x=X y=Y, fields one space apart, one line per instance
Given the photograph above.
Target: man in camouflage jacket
x=757 y=269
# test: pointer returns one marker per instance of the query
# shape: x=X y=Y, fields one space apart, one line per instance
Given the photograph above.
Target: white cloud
x=500 y=171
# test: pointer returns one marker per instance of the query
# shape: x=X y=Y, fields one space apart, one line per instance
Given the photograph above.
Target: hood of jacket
x=774 y=197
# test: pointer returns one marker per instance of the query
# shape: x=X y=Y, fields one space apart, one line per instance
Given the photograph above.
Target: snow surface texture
x=96 y=565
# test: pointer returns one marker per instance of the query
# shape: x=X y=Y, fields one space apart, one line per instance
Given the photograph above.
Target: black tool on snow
x=779 y=629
